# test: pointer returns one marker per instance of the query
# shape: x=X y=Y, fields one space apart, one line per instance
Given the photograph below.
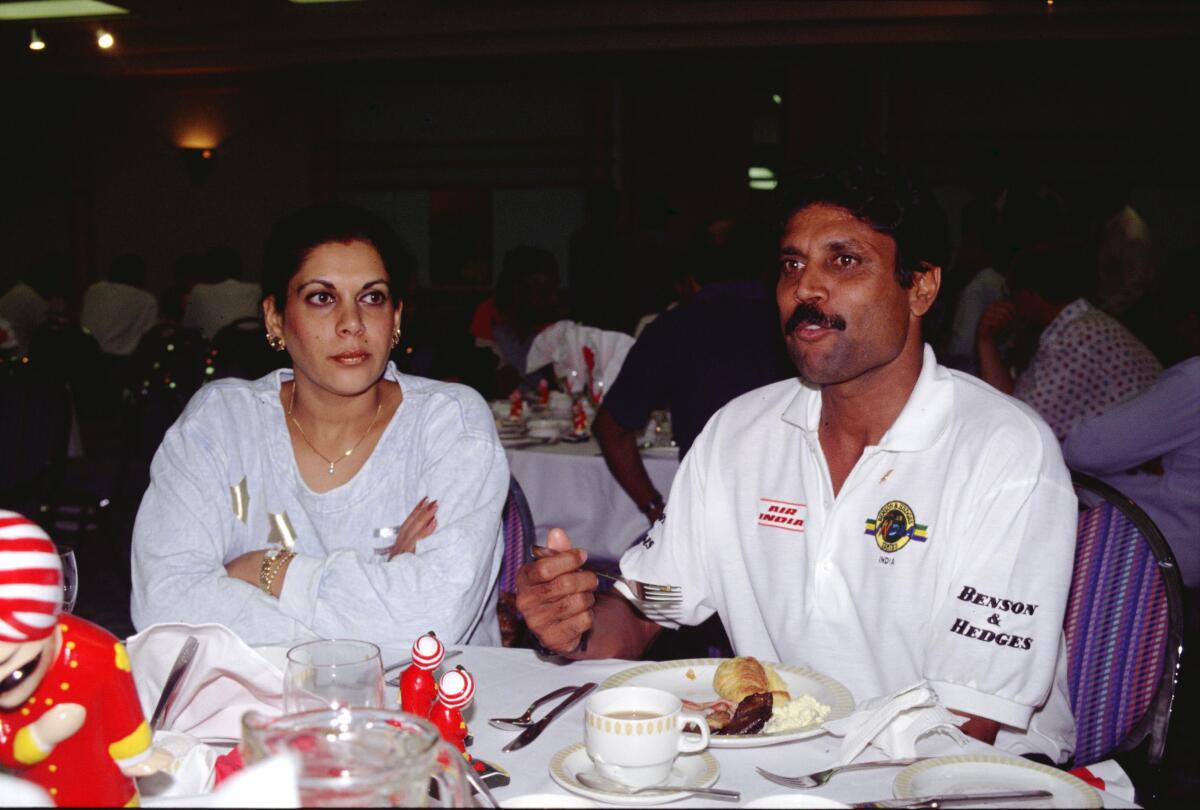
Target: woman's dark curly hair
x=877 y=192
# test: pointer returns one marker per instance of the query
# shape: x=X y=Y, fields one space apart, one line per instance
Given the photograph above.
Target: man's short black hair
x=1059 y=271
x=297 y=235
x=877 y=192
x=128 y=268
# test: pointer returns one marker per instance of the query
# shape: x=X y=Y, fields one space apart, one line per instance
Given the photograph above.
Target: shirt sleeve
x=1159 y=420
x=179 y=547
x=641 y=386
x=994 y=639
x=675 y=551
x=125 y=727
x=445 y=585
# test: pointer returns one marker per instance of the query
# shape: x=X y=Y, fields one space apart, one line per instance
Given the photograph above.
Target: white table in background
x=569 y=486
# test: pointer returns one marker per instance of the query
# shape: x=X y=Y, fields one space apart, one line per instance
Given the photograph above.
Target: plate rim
x=843 y=705
x=902 y=784
x=558 y=773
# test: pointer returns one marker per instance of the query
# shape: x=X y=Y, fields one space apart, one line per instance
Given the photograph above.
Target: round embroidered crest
x=894 y=526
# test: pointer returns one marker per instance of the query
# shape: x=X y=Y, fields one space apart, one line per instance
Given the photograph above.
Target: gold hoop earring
x=276 y=342
x=396 y=337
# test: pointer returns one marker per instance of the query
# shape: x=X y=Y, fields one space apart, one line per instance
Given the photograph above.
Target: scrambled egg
x=799 y=712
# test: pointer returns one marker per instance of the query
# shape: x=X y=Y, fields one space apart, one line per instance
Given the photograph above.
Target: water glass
x=331 y=674
x=356 y=757
x=70 y=577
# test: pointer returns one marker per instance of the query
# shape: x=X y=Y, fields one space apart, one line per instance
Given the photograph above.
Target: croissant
x=738 y=678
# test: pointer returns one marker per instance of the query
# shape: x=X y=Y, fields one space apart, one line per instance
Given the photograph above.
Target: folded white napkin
x=270 y=783
x=562 y=344
x=225 y=680
x=893 y=723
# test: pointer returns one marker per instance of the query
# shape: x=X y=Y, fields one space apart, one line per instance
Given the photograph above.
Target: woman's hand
x=419 y=524
x=248 y=568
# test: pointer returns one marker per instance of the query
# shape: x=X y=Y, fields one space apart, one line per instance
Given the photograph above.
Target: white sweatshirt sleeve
x=180 y=543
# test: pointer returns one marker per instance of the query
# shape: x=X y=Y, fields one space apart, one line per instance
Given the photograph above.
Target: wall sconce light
x=36 y=43
x=198 y=161
x=104 y=39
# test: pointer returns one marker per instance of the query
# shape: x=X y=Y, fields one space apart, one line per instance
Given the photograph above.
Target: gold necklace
x=303 y=435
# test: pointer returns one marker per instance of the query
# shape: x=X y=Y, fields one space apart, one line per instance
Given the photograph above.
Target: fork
x=819 y=778
x=654 y=600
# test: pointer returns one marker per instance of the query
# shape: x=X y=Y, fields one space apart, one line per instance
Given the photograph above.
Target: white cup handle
x=691 y=743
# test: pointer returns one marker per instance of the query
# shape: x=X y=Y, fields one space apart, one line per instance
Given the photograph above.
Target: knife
x=530 y=734
x=178 y=669
x=957 y=798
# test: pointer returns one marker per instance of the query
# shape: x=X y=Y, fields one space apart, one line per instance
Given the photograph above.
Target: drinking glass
x=331 y=674
x=354 y=757
x=70 y=578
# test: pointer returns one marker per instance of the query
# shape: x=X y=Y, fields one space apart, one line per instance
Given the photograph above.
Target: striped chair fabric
x=1118 y=633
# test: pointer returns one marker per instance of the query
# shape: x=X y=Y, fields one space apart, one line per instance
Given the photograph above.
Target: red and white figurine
x=579 y=418
x=543 y=393
x=70 y=719
x=418 y=684
x=455 y=693
x=518 y=405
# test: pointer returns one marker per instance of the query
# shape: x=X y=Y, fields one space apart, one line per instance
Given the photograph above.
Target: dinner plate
x=698 y=770
x=691 y=679
x=980 y=773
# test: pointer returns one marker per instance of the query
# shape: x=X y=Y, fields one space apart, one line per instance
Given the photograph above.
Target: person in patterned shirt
x=1085 y=363
x=70 y=719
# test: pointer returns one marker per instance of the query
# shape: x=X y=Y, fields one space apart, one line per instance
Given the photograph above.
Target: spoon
x=519 y=723
x=597 y=782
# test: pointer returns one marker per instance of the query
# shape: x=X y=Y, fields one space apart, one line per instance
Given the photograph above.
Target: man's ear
x=926 y=283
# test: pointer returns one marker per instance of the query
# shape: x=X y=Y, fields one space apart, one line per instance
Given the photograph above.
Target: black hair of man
x=521 y=264
x=296 y=236
x=876 y=191
x=128 y=268
x=221 y=263
x=1059 y=271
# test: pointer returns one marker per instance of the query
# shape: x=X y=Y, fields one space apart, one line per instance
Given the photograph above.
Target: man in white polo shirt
x=887 y=521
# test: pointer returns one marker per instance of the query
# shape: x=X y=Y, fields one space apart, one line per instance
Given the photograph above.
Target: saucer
x=700 y=770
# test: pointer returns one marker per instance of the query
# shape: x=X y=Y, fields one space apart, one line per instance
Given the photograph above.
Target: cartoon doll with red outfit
x=70 y=719
x=455 y=693
x=418 y=683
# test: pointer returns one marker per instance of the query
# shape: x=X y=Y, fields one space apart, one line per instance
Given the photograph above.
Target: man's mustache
x=806 y=313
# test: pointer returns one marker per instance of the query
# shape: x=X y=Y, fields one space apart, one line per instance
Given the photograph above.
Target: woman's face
x=338 y=319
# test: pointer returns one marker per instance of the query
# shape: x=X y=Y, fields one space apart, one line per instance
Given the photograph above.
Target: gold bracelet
x=270 y=568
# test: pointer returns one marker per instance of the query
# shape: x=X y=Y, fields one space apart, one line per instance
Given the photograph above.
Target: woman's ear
x=272 y=317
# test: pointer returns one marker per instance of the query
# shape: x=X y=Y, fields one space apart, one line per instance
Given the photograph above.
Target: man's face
x=842 y=310
x=22 y=667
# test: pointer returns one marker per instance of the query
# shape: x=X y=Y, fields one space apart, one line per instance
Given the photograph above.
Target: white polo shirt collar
x=922 y=421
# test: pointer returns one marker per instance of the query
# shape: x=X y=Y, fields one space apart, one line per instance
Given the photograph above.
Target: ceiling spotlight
x=104 y=39
x=36 y=43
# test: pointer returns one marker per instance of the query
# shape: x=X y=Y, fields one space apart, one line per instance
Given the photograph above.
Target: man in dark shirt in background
x=693 y=359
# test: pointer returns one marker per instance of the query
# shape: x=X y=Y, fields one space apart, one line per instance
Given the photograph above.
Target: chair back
x=35 y=426
x=240 y=350
x=519 y=537
x=1123 y=627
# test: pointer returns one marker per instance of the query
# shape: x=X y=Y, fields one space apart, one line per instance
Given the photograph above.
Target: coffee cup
x=633 y=734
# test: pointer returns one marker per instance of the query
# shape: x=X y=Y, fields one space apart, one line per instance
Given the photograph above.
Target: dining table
x=508 y=679
x=569 y=486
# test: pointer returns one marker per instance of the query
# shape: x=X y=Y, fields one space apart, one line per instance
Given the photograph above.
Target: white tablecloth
x=570 y=487
x=507 y=680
